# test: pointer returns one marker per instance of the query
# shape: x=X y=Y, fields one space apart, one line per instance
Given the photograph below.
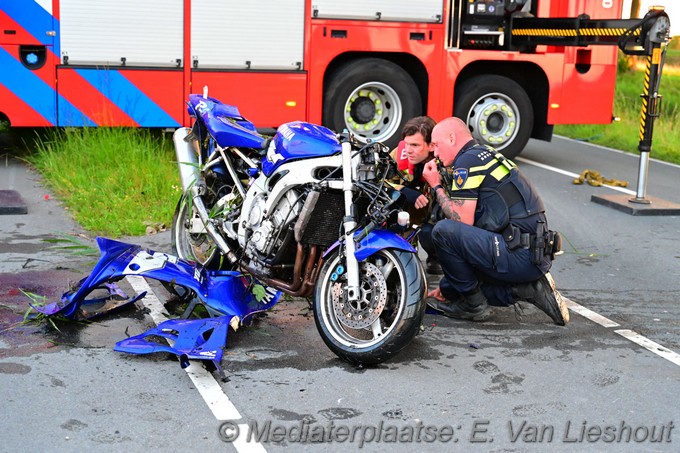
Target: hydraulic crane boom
x=645 y=37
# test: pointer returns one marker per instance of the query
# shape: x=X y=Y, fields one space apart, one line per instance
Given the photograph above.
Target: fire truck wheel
x=371 y=98
x=498 y=111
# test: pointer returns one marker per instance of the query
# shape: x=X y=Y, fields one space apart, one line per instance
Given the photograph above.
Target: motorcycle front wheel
x=387 y=315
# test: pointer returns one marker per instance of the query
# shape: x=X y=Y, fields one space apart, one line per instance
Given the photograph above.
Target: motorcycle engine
x=266 y=231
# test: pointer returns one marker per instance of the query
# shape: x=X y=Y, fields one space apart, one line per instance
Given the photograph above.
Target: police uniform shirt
x=470 y=168
x=478 y=170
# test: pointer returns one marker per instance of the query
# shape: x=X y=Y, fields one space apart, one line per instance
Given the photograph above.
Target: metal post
x=643 y=169
x=651 y=101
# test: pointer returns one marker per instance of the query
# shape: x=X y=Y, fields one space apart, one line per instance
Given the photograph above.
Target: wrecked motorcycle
x=305 y=212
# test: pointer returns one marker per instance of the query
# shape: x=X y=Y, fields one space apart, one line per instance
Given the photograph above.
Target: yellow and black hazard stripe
x=558 y=32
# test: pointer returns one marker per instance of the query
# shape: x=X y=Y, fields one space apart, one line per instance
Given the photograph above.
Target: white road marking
x=241 y=444
x=589 y=314
x=617 y=151
x=648 y=344
x=223 y=409
x=569 y=173
x=156 y=309
x=211 y=391
x=631 y=335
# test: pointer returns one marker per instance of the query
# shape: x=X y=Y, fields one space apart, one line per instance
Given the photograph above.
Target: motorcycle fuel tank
x=299 y=140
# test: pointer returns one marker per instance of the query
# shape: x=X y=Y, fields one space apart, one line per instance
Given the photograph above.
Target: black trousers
x=472 y=257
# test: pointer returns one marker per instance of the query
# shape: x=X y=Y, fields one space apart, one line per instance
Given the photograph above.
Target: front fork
x=349 y=222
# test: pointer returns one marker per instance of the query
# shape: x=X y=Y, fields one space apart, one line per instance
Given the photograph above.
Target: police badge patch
x=460 y=176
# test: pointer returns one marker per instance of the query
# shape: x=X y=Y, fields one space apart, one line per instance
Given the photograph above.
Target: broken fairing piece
x=226 y=295
x=101 y=299
x=200 y=339
x=223 y=292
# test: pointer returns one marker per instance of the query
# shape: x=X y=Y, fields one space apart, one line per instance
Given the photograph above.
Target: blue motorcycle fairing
x=299 y=140
x=199 y=339
x=375 y=241
x=226 y=292
x=225 y=123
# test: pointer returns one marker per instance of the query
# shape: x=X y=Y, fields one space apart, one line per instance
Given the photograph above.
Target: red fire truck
x=362 y=65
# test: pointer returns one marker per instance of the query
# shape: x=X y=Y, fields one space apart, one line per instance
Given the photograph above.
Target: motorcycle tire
x=388 y=315
x=198 y=248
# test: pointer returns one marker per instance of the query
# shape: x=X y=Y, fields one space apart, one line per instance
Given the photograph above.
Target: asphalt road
x=606 y=382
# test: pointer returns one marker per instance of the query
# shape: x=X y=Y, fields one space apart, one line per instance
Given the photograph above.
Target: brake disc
x=372 y=297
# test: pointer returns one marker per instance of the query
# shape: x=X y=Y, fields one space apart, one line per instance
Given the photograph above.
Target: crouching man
x=413 y=152
x=494 y=245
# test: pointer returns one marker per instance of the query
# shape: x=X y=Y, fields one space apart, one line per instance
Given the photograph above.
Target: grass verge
x=114 y=181
x=624 y=134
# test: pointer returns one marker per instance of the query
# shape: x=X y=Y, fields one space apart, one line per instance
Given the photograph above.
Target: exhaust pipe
x=186 y=152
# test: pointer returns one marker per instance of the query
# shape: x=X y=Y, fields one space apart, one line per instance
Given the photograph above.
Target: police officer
x=494 y=246
x=413 y=152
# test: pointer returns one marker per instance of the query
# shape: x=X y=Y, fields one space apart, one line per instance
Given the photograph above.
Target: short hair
x=422 y=124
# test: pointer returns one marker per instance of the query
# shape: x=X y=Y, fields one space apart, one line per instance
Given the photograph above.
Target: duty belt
x=549 y=243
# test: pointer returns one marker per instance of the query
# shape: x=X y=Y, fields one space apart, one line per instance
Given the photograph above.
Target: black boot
x=471 y=307
x=542 y=294
x=432 y=267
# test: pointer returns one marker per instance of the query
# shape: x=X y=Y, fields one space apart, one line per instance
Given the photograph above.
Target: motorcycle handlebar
x=370 y=227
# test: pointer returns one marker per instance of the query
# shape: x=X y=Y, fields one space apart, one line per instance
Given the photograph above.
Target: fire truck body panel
x=280 y=96
x=365 y=65
x=29 y=95
x=27 y=23
x=125 y=97
x=121 y=33
x=267 y=35
x=384 y=10
x=335 y=43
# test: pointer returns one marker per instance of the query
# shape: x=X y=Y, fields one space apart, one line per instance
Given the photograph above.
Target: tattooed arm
x=455 y=209
x=462 y=210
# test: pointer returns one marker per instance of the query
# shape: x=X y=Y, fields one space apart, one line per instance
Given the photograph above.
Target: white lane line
x=648 y=344
x=211 y=391
x=243 y=445
x=156 y=309
x=635 y=337
x=617 y=151
x=631 y=335
x=570 y=174
x=587 y=313
x=218 y=402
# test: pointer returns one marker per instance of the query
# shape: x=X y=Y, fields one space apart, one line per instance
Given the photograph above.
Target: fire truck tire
x=371 y=98
x=498 y=111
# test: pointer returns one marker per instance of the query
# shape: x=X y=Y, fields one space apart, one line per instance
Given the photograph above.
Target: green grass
x=114 y=181
x=624 y=135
